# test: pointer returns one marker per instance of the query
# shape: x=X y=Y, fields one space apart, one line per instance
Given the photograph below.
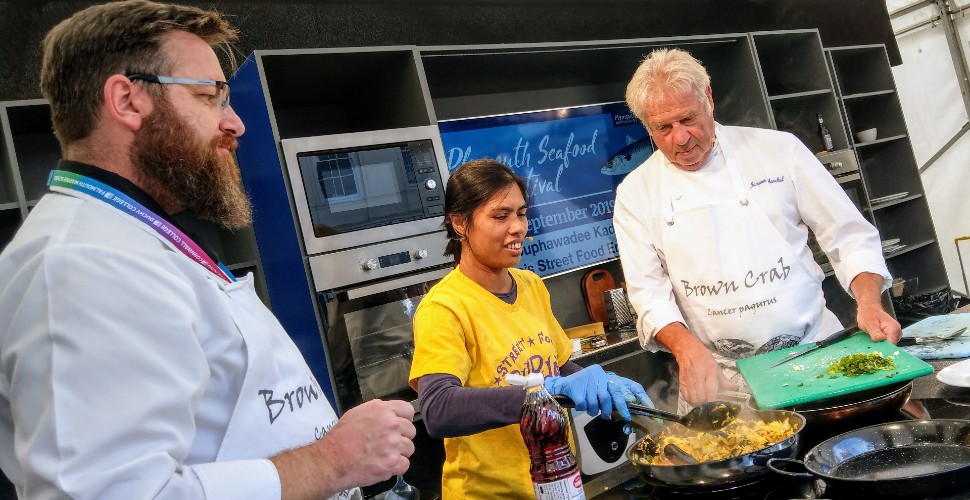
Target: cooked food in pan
x=737 y=438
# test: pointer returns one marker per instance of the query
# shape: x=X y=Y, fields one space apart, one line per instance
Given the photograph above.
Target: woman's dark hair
x=470 y=186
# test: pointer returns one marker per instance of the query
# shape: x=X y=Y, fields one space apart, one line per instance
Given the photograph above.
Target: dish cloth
x=938 y=325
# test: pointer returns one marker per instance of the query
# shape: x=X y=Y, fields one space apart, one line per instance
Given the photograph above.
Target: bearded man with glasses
x=133 y=364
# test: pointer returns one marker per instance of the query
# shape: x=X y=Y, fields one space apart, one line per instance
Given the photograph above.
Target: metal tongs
x=930 y=339
x=703 y=417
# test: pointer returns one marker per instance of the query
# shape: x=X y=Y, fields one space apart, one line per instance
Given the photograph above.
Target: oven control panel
x=384 y=260
x=841 y=164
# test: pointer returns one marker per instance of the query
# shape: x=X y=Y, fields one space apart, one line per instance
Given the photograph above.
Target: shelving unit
x=30 y=151
x=799 y=86
x=796 y=79
x=853 y=89
x=22 y=124
x=867 y=94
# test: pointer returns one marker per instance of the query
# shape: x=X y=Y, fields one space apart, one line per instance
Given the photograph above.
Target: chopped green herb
x=854 y=365
x=820 y=375
x=800 y=384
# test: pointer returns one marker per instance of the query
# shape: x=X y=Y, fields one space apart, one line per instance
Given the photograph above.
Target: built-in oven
x=367 y=297
x=370 y=207
x=367 y=187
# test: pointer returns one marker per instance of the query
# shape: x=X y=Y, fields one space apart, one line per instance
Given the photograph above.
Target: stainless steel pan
x=855 y=407
x=721 y=472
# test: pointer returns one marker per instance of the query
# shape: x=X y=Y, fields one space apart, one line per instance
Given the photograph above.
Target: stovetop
x=768 y=486
x=771 y=486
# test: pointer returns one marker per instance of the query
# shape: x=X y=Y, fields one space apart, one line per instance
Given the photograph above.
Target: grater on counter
x=619 y=312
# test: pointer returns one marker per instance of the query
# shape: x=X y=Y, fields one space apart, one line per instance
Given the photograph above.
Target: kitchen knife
x=838 y=336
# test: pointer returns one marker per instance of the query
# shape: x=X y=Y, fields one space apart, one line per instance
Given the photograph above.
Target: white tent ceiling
x=933 y=40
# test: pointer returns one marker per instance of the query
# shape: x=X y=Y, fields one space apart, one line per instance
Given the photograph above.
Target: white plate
x=957 y=374
x=892 y=248
x=883 y=199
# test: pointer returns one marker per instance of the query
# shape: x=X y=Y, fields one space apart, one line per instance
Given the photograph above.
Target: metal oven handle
x=384 y=286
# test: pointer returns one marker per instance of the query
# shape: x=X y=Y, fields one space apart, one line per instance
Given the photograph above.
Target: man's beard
x=188 y=173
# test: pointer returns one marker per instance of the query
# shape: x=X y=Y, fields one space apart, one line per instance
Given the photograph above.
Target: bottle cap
x=530 y=380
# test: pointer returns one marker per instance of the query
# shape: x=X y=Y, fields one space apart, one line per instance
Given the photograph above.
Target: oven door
x=369 y=338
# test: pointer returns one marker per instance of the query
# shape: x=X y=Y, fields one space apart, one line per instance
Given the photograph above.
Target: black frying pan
x=912 y=458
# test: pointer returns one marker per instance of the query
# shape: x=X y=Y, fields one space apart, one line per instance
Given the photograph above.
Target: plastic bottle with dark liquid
x=545 y=429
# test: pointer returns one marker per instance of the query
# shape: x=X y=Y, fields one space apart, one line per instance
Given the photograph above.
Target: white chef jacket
x=780 y=175
x=129 y=371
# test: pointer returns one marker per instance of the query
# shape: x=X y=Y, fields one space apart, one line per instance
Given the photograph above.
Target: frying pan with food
x=719 y=472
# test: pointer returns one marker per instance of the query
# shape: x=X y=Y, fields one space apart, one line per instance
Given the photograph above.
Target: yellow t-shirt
x=461 y=329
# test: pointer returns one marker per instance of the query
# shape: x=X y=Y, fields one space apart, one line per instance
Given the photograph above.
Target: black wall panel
x=311 y=24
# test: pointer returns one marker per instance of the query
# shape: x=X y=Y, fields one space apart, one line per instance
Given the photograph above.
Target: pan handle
x=773 y=464
x=635 y=409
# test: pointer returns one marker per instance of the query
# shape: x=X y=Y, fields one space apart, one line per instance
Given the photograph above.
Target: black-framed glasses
x=222 y=88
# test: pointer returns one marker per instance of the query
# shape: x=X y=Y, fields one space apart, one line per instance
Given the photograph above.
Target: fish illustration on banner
x=572 y=160
x=630 y=157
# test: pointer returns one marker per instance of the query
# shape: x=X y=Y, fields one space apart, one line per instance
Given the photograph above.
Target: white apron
x=296 y=411
x=739 y=284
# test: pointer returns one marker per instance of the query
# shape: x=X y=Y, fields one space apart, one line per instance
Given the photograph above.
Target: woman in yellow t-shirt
x=484 y=320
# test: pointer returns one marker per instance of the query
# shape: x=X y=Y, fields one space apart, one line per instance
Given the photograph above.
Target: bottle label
x=567 y=488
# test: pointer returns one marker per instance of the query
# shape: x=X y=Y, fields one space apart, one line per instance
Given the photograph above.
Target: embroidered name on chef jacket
x=768 y=180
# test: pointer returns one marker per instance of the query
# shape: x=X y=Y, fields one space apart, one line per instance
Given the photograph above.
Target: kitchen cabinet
x=30 y=151
x=482 y=80
x=852 y=88
x=24 y=125
x=796 y=80
x=897 y=201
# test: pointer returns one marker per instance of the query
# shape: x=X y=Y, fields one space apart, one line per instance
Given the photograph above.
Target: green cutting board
x=797 y=381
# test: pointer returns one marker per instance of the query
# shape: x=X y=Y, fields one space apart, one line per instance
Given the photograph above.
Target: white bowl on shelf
x=867 y=135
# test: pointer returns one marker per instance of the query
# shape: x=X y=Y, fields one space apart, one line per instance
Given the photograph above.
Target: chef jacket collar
x=129 y=188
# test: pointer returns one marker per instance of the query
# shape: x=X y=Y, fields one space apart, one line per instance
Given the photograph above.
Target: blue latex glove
x=598 y=392
x=623 y=391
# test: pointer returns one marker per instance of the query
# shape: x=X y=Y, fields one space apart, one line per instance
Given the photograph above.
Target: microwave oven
x=357 y=189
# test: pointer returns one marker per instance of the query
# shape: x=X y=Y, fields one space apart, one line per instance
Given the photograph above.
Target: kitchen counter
x=930 y=399
x=620 y=344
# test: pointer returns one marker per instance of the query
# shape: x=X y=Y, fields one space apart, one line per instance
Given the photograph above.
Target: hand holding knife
x=836 y=337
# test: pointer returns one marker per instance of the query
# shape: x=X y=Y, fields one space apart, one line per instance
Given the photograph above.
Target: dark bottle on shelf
x=545 y=429
x=824 y=135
